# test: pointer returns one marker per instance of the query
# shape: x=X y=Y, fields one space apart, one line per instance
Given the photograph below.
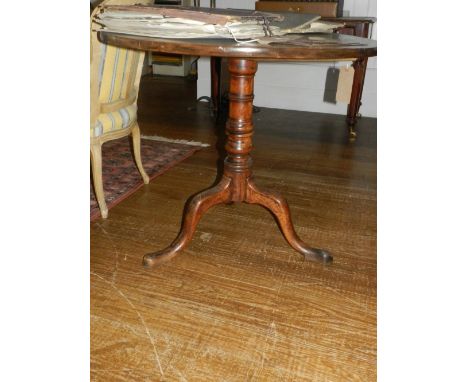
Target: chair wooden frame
x=98 y=107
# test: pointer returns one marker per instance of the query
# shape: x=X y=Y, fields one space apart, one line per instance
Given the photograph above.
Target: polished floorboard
x=239 y=304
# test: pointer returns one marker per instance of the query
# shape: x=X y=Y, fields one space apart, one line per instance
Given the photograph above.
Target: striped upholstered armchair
x=115 y=79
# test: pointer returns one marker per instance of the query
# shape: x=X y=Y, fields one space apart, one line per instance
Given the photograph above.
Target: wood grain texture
x=312 y=47
x=240 y=304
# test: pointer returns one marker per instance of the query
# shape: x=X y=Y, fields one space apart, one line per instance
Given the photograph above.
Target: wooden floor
x=239 y=304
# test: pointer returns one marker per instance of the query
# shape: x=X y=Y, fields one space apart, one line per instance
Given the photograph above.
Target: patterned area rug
x=120 y=174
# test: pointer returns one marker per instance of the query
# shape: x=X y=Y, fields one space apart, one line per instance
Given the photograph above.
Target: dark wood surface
x=240 y=305
x=350 y=20
x=312 y=47
x=322 y=8
x=237 y=183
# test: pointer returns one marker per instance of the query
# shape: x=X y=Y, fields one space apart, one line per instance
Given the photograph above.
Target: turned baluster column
x=239 y=127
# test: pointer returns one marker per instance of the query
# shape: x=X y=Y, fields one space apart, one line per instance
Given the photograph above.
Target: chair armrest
x=119 y=104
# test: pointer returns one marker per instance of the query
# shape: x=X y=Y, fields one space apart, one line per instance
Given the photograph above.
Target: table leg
x=362 y=85
x=215 y=71
x=280 y=209
x=356 y=93
x=237 y=184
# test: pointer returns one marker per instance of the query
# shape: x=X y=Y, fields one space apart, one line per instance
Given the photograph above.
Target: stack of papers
x=187 y=22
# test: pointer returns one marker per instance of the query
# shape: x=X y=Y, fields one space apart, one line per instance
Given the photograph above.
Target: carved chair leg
x=280 y=209
x=136 y=138
x=96 y=163
x=196 y=207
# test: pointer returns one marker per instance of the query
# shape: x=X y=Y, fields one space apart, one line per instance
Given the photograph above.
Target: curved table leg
x=197 y=206
x=280 y=209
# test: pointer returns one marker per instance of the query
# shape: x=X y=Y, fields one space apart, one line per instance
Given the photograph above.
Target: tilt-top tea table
x=237 y=183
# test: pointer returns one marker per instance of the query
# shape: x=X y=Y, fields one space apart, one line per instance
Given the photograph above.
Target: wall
x=300 y=86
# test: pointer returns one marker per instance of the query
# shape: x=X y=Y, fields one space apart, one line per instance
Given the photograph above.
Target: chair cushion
x=116 y=120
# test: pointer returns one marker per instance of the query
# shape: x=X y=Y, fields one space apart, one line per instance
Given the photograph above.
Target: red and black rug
x=120 y=175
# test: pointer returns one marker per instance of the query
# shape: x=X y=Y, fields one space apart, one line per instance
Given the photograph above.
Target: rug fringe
x=183 y=141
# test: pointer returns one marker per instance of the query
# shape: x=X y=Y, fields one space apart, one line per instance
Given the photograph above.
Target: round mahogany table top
x=300 y=47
